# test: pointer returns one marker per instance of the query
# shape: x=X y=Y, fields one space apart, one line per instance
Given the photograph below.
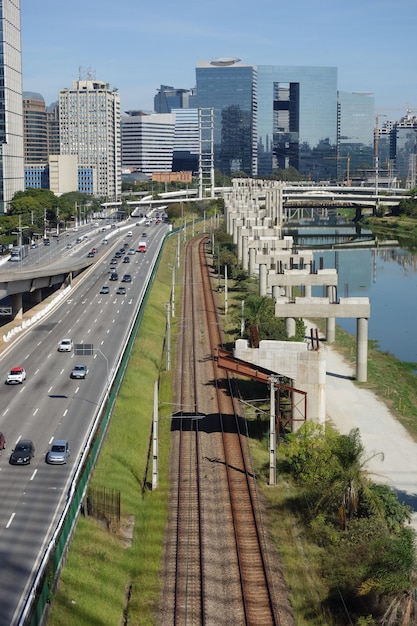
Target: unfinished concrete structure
x=254 y=216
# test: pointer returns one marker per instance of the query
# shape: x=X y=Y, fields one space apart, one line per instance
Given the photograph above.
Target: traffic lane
x=21 y=544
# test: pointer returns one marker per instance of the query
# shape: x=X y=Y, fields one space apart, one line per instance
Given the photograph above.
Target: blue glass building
x=229 y=88
x=297 y=119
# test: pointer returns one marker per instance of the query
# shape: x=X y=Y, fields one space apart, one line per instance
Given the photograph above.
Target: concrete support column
x=252 y=258
x=37 y=296
x=239 y=244
x=307 y=291
x=234 y=231
x=331 y=321
x=17 y=306
x=330 y=329
x=276 y=292
x=362 y=349
x=245 y=257
x=262 y=279
x=290 y=326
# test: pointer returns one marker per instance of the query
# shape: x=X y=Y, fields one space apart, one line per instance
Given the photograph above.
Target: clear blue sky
x=136 y=46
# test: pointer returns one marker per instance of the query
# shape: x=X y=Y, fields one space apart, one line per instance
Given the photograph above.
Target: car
x=118 y=254
x=114 y=261
x=129 y=233
x=105 y=289
x=23 y=452
x=132 y=251
x=16 y=376
x=69 y=246
x=144 y=234
x=125 y=247
x=126 y=259
x=114 y=276
x=65 y=345
x=79 y=371
x=94 y=250
x=2 y=441
x=90 y=255
x=78 y=240
x=127 y=278
x=58 y=453
x=105 y=242
x=121 y=291
x=147 y=223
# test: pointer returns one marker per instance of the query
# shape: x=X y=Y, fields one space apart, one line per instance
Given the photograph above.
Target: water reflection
x=387 y=276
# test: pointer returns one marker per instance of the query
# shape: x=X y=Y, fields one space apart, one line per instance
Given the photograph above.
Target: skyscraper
x=229 y=88
x=11 y=108
x=89 y=127
x=35 y=135
x=148 y=141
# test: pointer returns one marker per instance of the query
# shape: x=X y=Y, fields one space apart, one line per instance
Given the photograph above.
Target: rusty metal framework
x=297 y=398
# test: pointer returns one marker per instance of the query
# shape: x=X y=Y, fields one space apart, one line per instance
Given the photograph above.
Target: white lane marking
x=11 y=518
x=62 y=371
x=35 y=411
x=50 y=389
x=65 y=412
x=76 y=391
x=34 y=474
x=50 y=441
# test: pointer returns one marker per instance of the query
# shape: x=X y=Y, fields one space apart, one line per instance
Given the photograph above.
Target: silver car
x=59 y=452
x=79 y=371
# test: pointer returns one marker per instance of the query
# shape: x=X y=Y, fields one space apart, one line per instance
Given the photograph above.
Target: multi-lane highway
x=49 y=404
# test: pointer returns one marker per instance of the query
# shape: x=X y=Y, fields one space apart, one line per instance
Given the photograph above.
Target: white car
x=65 y=345
x=16 y=376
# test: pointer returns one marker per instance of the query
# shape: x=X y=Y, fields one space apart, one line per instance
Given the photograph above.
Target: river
x=387 y=276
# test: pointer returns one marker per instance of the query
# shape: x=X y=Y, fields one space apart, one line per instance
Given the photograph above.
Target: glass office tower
x=297 y=120
x=11 y=106
x=229 y=87
x=356 y=119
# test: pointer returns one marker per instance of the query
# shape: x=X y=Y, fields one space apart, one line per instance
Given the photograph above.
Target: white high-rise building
x=12 y=171
x=148 y=141
x=89 y=127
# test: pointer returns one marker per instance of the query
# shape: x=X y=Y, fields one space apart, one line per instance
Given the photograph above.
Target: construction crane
x=347 y=157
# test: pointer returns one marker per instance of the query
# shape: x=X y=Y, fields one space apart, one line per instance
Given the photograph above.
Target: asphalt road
x=49 y=404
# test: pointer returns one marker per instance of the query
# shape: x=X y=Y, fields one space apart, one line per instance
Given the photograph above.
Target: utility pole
x=155 y=473
x=272 y=436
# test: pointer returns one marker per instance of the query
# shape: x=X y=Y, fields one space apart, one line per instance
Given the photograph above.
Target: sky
x=136 y=46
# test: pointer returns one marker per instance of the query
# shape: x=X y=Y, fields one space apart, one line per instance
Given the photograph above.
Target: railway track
x=219 y=561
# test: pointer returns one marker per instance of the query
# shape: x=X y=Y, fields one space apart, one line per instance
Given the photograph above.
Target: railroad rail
x=222 y=572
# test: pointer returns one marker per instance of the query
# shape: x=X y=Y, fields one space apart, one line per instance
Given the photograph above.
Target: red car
x=2 y=442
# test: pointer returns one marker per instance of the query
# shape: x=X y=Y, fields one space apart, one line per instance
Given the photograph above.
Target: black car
x=126 y=259
x=114 y=276
x=23 y=453
x=127 y=278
